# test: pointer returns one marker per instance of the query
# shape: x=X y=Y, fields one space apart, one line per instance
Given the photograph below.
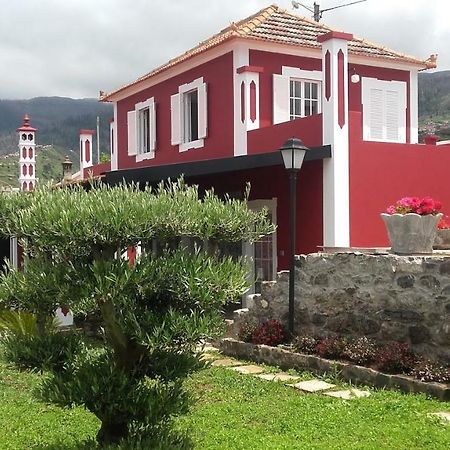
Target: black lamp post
x=293 y=152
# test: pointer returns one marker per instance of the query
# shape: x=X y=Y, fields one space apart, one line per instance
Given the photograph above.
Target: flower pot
x=442 y=241
x=411 y=233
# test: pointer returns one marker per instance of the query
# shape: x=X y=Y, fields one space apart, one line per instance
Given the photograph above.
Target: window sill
x=386 y=141
x=144 y=156
x=185 y=146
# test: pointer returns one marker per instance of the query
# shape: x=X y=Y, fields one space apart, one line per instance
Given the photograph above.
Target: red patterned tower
x=27 y=155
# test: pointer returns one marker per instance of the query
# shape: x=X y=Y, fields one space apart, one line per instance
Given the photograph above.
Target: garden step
x=249 y=370
x=348 y=394
x=209 y=357
x=278 y=377
x=444 y=415
x=313 y=386
x=226 y=363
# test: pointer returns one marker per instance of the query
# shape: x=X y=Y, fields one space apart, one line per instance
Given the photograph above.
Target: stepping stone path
x=445 y=416
x=348 y=394
x=313 y=386
x=226 y=363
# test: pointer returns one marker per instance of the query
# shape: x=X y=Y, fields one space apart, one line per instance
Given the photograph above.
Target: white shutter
x=202 y=111
x=392 y=115
x=175 y=103
x=152 y=134
x=280 y=98
x=376 y=109
x=131 y=124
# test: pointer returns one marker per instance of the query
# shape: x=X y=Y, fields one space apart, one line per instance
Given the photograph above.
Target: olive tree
x=155 y=313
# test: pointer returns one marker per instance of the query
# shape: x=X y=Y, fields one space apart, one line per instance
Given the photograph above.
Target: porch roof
x=155 y=174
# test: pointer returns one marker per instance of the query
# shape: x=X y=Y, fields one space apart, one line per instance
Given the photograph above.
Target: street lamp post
x=293 y=153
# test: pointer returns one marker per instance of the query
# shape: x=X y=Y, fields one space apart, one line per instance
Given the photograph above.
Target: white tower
x=27 y=155
x=86 y=139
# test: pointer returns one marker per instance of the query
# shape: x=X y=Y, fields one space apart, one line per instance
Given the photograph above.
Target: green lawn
x=239 y=412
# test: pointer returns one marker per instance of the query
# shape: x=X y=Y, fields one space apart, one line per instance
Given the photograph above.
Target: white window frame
x=303 y=99
x=368 y=84
x=141 y=153
x=281 y=88
x=180 y=101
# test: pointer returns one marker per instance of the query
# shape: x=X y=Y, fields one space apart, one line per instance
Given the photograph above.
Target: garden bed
x=286 y=359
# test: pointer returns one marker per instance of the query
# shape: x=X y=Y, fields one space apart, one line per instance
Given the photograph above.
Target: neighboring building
x=220 y=112
x=27 y=155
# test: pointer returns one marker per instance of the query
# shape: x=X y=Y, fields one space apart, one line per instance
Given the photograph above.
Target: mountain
x=58 y=121
x=434 y=94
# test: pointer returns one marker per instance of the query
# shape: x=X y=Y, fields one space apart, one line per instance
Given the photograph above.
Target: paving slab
x=278 y=377
x=313 y=386
x=226 y=363
x=444 y=415
x=348 y=394
x=249 y=370
x=209 y=357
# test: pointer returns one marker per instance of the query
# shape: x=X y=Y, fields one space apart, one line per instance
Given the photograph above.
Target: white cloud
x=77 y=47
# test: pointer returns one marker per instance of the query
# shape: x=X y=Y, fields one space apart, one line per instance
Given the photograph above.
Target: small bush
x=427 y=370
x=395 y=357
x=269 y=333
x=305 y=344
x=332 y=347
x=246 y=331
x=360 y=351
x=48 y=352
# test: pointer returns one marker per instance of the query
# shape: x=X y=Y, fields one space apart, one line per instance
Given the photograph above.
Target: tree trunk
x=40 y=324
x=112 y=433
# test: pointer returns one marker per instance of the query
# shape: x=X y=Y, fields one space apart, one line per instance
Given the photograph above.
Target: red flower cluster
x=423 y=206
x=269 y=333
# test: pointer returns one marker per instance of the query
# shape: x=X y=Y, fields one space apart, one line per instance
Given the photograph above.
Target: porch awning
x=155 y=174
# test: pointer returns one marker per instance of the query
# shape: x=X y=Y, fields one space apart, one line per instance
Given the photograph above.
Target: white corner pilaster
x=86 y=146
x=113 y=137
x=336 y=204
x=413 y=107
x=240 y=58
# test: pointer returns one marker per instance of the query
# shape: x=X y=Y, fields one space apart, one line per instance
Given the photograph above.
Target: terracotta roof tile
x=274 y=24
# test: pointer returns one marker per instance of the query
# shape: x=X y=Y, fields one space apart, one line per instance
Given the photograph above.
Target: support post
x=292 y=226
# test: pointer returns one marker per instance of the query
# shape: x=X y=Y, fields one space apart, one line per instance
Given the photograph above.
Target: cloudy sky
x=75 y=48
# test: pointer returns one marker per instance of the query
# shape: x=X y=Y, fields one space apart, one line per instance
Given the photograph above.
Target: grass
x=234 y=411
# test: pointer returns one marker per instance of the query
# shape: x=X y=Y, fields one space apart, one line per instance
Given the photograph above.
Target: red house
x=220 y=112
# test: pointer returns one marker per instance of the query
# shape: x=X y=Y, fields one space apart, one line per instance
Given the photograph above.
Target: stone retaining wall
x=385 y=297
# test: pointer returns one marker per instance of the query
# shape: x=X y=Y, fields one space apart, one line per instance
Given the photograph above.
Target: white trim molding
x=413 y=107
x=295 y=72
x=149 y=105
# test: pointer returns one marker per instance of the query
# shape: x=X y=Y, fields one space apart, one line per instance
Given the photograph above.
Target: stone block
x=444 y=415
x=313 y=386
x=284 y=377
x=249 y=370
x=226 y=363
x=348 y=394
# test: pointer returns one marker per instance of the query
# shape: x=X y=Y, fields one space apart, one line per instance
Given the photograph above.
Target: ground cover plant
x=154 y=313
x=237 y=412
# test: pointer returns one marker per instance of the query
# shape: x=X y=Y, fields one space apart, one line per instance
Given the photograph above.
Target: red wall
x=272 y=62
x=218 y=74
x=382 y=173
x=270 y=182
x=268 y=139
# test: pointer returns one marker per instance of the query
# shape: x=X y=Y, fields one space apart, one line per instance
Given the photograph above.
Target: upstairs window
x=304 y=98
x=142 y=130
x=296 y=93
x=190 y=112
x=189 y=115
x=384 y=110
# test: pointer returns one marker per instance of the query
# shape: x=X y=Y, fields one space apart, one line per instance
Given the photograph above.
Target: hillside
x=58 y=121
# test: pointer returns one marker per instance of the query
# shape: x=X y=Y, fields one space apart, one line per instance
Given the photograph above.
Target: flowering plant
x=416 y=205
x=443 y=224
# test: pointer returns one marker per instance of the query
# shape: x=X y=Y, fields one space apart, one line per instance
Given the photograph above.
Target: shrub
x=305 y=344
x=269 y=333
x=46 y=352
x=246 y=331
x=427 y=370
x=360 y=351
x=395 y=357
x=332 y=347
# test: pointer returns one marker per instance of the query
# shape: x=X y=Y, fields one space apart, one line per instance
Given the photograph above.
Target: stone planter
x=411 y=233
x=442 y=241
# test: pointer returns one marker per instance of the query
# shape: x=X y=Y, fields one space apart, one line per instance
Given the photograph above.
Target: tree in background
x=154 y=313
